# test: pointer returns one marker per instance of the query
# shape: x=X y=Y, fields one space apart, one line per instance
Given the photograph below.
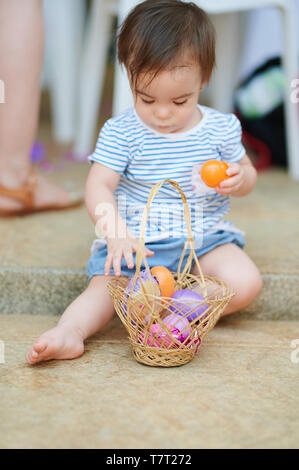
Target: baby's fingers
x=227 y=191
x=149 y=252
x=234 y=169
x=230 y=182
x=129 y=259
x=108 y=264
x=117 y=263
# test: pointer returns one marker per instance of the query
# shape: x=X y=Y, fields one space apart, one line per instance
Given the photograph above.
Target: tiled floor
x=241 y=391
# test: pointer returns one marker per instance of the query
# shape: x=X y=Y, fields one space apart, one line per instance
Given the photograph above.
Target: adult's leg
x=21 y=57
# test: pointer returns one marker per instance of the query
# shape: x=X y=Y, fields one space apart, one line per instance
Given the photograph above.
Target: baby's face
x=168 y=103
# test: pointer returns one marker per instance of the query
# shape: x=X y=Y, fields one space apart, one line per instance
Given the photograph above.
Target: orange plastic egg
x=165 y=280
x=213 y=172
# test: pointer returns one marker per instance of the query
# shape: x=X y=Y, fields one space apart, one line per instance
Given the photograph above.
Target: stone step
x=43 y=256
x=50 y=291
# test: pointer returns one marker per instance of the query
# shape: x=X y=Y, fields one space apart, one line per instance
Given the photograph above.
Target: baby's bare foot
x=62 y=342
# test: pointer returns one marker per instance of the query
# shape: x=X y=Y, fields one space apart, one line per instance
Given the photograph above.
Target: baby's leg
x=231 y=264
x=85 y=316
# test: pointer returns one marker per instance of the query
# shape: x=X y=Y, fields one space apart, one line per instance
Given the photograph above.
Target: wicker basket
x=156 y=338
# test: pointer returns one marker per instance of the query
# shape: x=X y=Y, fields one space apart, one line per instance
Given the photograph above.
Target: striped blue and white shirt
x=143 y=157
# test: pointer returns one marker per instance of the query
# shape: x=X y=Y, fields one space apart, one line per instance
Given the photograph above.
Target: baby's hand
x=234 y=183
x=118 y=248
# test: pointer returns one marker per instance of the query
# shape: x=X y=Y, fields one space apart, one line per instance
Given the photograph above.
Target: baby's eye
x=178 y=103
x=147 y=102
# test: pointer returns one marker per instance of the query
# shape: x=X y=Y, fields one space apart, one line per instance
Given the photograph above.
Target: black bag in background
x=259 y=104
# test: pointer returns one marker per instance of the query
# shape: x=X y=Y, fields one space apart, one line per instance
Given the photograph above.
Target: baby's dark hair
x=157 y=32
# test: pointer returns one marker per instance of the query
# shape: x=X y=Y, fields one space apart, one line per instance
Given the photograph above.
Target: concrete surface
x=240 y=391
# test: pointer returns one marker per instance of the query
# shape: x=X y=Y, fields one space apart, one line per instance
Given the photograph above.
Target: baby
x=168 y=50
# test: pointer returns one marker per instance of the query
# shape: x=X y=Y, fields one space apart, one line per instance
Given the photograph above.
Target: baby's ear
x=202 y=85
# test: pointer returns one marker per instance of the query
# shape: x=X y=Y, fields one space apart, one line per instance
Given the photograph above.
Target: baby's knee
x=250 y=287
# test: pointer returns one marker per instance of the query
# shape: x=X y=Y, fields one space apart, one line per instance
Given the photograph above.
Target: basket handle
x=141 y=242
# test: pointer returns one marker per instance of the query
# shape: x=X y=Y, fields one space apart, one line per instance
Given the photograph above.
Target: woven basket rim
x=116 y=280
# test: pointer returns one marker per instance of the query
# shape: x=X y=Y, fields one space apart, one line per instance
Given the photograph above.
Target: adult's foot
x=46 y=194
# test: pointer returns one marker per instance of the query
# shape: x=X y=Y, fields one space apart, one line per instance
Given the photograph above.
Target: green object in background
x=263 y=93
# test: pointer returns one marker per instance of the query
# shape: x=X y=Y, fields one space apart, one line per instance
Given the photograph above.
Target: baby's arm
x=241 y=181
x=102 y=209
x=100 y=202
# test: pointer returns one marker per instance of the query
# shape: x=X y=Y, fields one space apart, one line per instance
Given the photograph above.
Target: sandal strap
x=25 y=193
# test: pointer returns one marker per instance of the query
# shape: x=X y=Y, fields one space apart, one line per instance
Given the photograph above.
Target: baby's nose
x=162 y=112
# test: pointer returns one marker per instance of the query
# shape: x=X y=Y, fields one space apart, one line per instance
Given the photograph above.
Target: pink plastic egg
x=179 y=322
x=160 y=336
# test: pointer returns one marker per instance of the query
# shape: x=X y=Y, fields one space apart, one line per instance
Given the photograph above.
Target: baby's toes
x=31 y=356
x=40 y=345
x=37 y=351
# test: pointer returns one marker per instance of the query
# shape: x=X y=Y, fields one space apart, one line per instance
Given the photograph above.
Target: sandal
x=25 y=195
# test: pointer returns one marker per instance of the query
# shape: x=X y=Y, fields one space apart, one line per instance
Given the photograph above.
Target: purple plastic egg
x=146 y=280
x=150 y=286
x=38 y=152
x=186 y=302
